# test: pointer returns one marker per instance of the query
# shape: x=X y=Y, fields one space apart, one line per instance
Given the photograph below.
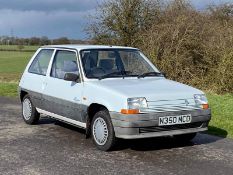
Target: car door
x=34 y=77
x=63 y=99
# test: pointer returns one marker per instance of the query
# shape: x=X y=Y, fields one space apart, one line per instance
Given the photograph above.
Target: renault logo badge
x=186 y=102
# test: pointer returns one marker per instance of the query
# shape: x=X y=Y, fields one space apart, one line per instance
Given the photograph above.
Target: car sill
x=59 y=117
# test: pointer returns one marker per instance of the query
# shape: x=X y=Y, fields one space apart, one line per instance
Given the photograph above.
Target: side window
x=41 y=62
x=64 y=62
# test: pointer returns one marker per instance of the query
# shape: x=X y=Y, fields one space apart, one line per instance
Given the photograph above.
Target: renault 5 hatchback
x=111 y=92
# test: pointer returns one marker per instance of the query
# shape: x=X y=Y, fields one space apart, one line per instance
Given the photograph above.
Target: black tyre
x=102 y=131
x=185 y=137
x=29 y=113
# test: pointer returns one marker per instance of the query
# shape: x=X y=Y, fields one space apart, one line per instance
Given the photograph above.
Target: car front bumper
x=146 y=125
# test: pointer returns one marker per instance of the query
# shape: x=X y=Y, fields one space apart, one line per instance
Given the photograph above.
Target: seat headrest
x=70 y=66
x=106 y=64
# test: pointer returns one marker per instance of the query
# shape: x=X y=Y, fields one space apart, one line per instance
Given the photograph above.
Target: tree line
x=190 y=45
x=37 y=41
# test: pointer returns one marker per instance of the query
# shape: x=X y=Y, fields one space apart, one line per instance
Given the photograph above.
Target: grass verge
x=8 y=89
x=221 y=123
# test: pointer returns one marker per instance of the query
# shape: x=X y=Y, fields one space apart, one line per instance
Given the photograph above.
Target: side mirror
x=164 y=74
x=71 y=77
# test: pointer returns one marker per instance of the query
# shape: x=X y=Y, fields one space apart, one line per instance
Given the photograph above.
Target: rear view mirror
x=71 y=77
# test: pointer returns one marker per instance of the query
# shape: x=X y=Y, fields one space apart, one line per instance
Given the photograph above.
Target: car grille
x=171 y=105
x=171 y=127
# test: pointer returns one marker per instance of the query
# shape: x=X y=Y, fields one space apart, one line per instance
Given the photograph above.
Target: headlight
x=134 y=105
x=137 y=103
x=201 y=101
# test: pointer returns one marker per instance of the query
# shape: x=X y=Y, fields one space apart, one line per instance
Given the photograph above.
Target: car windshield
x=108 y=63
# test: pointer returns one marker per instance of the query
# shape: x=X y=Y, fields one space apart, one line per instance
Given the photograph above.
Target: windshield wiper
x=129 y=74
x=157 y=74
x=122 y=74
x=110 y=75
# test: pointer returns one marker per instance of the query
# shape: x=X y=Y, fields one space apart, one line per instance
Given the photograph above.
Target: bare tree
x=121 y=21
x=191 y=46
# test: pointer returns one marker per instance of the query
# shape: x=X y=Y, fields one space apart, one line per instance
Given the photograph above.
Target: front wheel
x=103 y=133
x=29 y=113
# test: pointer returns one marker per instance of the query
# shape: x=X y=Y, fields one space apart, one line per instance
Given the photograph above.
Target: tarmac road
x=55 y=148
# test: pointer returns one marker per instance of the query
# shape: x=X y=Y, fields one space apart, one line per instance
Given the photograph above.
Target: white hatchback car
x=110 y=91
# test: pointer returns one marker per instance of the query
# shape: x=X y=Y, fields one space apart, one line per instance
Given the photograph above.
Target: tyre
x=29 y=113
x=103 y=134
x=185 y=137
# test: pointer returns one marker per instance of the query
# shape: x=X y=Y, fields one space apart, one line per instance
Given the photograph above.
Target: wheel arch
x=91 y=111
x=22 y=94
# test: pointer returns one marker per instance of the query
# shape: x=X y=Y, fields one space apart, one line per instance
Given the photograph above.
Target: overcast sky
x=54 y=18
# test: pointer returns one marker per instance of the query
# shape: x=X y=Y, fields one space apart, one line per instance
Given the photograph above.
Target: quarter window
x=64 y=62
x=41 y=62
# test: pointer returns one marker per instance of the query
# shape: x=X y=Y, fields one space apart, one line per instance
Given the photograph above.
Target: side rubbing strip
x=83 y=125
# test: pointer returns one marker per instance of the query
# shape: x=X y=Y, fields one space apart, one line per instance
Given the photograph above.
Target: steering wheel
x=99 y=69
x=96 y=72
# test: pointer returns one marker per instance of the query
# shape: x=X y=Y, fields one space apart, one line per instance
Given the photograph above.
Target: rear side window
x=64 y=62
x=41 y=62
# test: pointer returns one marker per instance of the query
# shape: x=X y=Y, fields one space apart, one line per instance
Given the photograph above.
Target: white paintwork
x=111 y=92
x=61 y=118
x=62 y=89
x=81 y=47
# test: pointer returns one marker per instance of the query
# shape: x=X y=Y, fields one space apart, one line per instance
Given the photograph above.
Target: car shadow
x=70 y=127
x=217 y=131
x=149 y=144
x=46 y=120
x=169 y=142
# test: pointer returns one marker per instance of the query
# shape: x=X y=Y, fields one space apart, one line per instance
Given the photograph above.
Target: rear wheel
x=102 y=131
x=185 y=137
x=29 y=113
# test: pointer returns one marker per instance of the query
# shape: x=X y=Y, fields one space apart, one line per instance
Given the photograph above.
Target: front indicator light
x=201 y=101
x=130 y=111
x=205 y=106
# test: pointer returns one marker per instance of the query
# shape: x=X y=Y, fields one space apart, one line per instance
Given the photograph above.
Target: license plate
x=174 y=120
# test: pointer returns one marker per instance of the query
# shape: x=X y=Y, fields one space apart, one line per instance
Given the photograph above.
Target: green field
x=16 y=47
x=8 y=89
x=13 y=61
x=12 y=64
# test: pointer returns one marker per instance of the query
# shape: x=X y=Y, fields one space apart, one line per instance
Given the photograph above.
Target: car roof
x=81 y=47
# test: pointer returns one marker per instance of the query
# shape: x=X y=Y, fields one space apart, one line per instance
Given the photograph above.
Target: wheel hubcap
x=100 y=131
x=27 y=109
